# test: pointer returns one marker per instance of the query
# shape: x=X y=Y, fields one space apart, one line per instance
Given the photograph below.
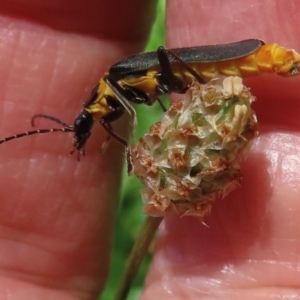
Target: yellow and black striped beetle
x=143 y=77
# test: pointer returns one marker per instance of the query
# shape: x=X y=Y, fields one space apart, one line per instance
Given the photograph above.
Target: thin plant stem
x=138 y=252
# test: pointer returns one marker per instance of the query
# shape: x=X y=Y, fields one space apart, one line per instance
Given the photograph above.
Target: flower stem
x=138 y=252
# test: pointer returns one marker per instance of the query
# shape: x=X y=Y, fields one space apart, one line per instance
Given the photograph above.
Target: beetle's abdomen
x=269 y=58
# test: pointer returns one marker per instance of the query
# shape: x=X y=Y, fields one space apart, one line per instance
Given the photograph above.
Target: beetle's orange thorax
x=99 y=107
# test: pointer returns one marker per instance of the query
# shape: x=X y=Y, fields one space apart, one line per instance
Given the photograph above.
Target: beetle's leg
x=122 y=95
x=122 y=141
x=127 y=93
x=185 y=65
x=161 y=104
x=167 y=79
x=117 y=112
x=106 y=143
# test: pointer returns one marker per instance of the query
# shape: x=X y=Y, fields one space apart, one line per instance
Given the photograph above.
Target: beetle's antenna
x=58 y=121
x=32 y=132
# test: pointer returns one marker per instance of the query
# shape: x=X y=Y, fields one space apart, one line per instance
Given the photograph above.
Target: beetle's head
x=82 y=131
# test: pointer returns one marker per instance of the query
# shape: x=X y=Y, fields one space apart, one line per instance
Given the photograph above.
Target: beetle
x=143 y=77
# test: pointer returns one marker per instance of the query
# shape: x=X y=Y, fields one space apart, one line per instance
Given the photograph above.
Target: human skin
x=250 y=246
x=57 y=215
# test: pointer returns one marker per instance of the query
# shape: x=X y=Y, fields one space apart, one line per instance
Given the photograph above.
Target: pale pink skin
x=251 y=249
x=56 y=215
